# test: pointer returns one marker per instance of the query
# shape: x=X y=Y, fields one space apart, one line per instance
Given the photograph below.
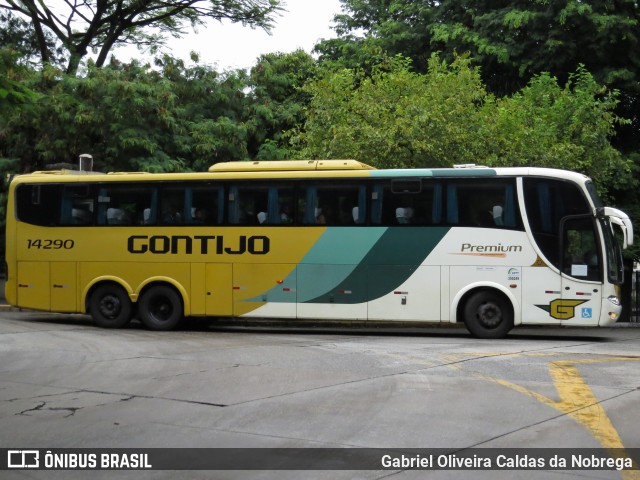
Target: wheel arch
x=99 y=281
x=458 y=303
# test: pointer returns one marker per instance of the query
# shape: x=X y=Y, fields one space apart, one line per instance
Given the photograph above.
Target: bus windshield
x=613 y=253
x=593 y=193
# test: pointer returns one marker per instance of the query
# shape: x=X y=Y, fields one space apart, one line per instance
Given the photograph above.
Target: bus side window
x=286 y=200
x=281 y=201
x=77 y=206
x=408 y=202
x=247 y=204
x=333 y=204
x=204 y=204
x=173 y=207
x=279 y=210
x=260 y=204
x=484 y=203
x=127 y=205
x=39 y=204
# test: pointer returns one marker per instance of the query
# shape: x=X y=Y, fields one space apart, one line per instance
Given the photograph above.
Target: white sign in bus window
x=579 y=270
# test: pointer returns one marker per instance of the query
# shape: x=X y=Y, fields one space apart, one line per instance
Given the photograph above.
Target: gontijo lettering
x=202 y=244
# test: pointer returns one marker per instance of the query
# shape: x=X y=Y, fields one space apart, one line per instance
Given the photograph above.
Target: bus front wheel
x=487 y=314
x=160 y=308
x=110 y=306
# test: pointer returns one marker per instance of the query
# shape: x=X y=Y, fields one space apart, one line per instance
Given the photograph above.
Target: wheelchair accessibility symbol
x=587 y=313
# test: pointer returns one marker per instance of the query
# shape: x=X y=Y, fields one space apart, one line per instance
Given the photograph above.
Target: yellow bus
x=327 y=240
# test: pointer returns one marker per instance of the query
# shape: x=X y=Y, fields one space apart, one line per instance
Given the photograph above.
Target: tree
x=276 y=101
x=395 y=117
x=390 y=26
x=17 y=35
x=570 y=127
x=104 y=24
x=12 y=90
x=130 y=117
x=528 y=37
x=399 y=118
x=511 y=40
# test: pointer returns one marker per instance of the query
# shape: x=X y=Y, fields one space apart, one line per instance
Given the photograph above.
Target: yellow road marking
x=578 y=401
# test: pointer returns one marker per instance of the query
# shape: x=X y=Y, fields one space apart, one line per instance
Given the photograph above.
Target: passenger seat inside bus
x=116 y=216
x=403 y=215
x=496 y=213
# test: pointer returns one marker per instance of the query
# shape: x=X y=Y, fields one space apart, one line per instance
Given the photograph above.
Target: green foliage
x=161 y=118
x=511 y=40
x=550 y=126
x=395 y=117
x=276 y=102
x=12 y=91
x=530 y=37
x=390 y=26
x=399 y=118
x=130 y=117
x=19 y=36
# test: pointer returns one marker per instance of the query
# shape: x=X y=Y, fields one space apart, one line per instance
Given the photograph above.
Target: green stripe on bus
x=331 y=260
x=391 y=261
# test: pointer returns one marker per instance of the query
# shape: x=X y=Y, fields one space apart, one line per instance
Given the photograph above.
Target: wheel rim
x=489 y=315
x=110 y=306
x=161 y=309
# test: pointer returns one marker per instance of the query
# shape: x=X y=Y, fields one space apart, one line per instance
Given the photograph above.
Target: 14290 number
x=46 y=244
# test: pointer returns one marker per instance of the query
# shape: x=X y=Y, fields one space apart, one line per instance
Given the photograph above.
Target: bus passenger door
x=33 y=285
x=582 y=272
x=63 y=286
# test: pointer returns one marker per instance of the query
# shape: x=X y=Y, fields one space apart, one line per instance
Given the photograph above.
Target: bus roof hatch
x=289 y=165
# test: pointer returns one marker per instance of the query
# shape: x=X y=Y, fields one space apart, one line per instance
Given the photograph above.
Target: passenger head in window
x=171 y=214
x=496 y=214
x=285 y=214
x=481 y=215
x=404 y=215
x=81 y=216
x=117 y=216
x=200 y=216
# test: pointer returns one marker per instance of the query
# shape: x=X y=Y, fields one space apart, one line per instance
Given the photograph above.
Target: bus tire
x=488 y=314
x=110 y=306
x=160 y=308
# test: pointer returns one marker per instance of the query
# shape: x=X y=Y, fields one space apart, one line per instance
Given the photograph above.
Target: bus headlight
x=613 y=299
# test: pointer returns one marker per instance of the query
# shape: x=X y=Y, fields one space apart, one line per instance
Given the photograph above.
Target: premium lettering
x=499 y=248
x=198 y=244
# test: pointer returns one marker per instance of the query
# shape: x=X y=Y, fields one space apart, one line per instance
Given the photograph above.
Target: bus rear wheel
x=160 y=308
x=110 y=306
x=487 y=314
